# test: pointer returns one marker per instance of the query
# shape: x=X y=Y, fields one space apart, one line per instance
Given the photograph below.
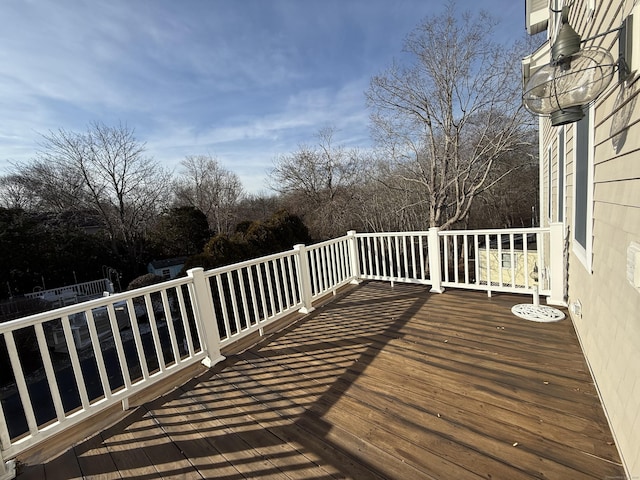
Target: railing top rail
x=485 y=231
x=495 y=231
x=327 y=242
x=392 y=234
x=82 y=284
x=266 y=258
x=247 y=263
x=84 y=306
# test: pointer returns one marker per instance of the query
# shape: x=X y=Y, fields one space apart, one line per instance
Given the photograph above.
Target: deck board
x=383 y=382
x=63 y=467
x=95 y=461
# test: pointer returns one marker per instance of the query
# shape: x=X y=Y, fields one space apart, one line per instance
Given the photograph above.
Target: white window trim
x=549 y=203
x=584 y=254
x=562 y=182
x=505 y=261
x=541 y=177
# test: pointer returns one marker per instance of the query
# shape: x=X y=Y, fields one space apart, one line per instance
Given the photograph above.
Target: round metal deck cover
x=537 y=313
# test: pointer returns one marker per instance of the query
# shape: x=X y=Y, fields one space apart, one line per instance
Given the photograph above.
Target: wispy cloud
x=244 y=81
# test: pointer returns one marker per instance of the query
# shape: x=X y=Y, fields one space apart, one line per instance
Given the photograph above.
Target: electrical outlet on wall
x=633 y=265
x=575 y=308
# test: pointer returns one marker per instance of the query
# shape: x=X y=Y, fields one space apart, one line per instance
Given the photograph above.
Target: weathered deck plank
x=381 y=383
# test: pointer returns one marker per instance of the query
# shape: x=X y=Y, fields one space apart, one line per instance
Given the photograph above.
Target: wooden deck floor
x=381 y=383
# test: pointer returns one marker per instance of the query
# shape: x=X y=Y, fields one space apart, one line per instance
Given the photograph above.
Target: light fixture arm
x=603 y=34
x=621 y=63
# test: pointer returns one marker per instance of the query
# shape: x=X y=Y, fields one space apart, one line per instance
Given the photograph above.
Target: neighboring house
x=167 y=269
x=590 y=182
x=505 y=266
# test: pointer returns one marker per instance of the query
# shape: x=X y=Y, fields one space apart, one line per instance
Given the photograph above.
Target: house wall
x=604 y=306
x=172 y=271
x=496 y=269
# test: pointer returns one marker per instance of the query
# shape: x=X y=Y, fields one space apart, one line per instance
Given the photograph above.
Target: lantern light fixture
x=575 y=77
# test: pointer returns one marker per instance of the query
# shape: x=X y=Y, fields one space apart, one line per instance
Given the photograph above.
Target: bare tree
x=513 y=199
x=387 y=202
x=320 y=183
x=450 y=115
x=49 y=186
x=14 y=194
x=258 y=207
x=207 y=186
x=104 y=172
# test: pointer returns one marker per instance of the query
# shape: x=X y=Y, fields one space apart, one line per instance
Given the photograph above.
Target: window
x=506 y=260
x=166 y=274
x=561 y=161
x=582 y=197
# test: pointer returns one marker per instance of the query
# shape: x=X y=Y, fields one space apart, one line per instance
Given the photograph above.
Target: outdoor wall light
x=575 y=77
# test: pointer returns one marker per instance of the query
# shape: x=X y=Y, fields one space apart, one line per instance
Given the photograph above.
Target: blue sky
x=241 y=80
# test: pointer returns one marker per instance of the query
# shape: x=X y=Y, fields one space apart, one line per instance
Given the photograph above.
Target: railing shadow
x=259 y=413
x=325 y=343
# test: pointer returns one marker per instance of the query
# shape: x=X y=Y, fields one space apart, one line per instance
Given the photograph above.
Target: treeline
x=66 y=219
x=47 y=250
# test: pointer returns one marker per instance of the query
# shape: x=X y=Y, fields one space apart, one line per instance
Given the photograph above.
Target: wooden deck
x=381 y=383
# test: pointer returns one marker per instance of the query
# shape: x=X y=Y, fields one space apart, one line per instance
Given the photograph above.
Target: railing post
x=354 y=257
x=305 y=278
x=203 y=304
x=7 y=469
x=557 y=267
x=435 y=272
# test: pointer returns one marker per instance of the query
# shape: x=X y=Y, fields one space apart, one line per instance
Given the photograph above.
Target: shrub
x=144 y=281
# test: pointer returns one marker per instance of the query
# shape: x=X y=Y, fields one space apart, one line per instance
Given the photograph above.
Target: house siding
x=608 y=325
x=497 y=271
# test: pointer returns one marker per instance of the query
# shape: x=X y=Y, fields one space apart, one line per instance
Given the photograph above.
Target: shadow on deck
x=381 y=383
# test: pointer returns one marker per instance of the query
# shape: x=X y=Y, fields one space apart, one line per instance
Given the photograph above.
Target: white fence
x=74 y=293
x=330 y=265
x=113 y=347
x=147 y=333
x=510 y=260
x=248 y=295
x=399 y=257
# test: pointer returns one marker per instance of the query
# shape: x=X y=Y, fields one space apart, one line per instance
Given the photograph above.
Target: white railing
x=524 y=260
x=73 y=293
x=248 y=296
x=510 y=260
x=395 y=257
x=70 y=363
x=329 y=265
x=92 y=355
